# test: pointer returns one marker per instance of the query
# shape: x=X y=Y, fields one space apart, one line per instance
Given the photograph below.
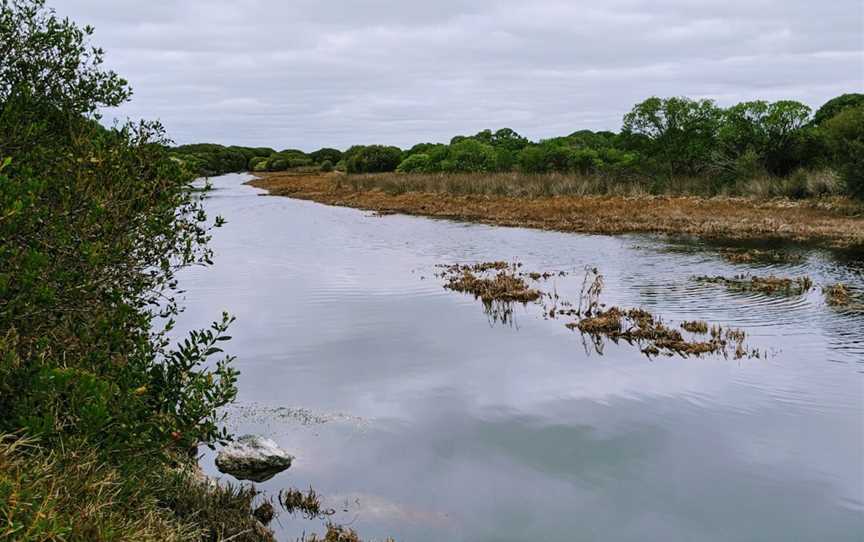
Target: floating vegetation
x=759 y=256
x=637 y=326
x=765 y=285
x=497 y=291
x=309 y=504
x=695 y=326
x=837 y=295
x=500 y=284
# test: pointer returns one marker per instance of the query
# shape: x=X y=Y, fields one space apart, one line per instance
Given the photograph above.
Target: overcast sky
x=313 y=73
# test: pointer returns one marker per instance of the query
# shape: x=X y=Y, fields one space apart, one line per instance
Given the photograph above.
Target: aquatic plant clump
x=765 y=285
x=637 y=326
x=836 y=295
x=499 y=284
x=759 y=256
x=505 y=285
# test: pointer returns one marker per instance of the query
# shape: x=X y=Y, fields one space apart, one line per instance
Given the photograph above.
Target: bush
x=845 y=136
x=835 y=105
x=373 y=159
x=416 y=163
x=469 y=155
x=277 y=163
x=95 y=225
x=325 y=155
x=326 y=166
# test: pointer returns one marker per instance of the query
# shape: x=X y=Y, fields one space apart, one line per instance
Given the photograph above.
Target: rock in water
x=253 y=458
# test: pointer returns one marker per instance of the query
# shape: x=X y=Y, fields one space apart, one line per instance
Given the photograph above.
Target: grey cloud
x=306 y=73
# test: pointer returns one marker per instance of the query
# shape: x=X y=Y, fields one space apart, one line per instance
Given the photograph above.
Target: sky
x=309 y=73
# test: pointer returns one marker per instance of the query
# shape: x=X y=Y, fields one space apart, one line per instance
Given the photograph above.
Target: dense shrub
x=470 y=155
x=95 y=225
x=373 y=159
x=835 y=105
x=326 y=166
x=326 y=154
x=415 y=163
x=845 y=135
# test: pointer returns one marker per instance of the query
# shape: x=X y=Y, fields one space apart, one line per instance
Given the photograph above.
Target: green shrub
x=470 y=155
x=416 y=163
x=373 y=159
x=845 y=136
x=277 y=163
x=326 y=155
x=835 y=105
x=326 y=166
x=96 y=224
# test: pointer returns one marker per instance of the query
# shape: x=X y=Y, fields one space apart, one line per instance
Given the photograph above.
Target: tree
x=835 y=105
x=845 y=134
x=679 y=134
x=772 y=132
x=507 y=138
x=470 y=155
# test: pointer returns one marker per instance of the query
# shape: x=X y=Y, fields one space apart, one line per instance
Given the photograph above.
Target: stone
x=252 y=457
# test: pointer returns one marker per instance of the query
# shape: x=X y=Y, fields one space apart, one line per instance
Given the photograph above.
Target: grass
x=69 y=494
x=309 y=504
x=585 y=204
x=836 y=295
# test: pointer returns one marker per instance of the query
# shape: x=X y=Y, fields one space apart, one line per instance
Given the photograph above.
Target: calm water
x=419 y=419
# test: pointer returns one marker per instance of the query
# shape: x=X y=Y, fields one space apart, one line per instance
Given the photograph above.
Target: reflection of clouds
x=517 y=434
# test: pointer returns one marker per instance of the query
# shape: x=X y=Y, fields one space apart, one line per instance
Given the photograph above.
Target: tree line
x=660 y=139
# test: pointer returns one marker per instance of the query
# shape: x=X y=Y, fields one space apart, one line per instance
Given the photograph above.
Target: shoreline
x=807 y=221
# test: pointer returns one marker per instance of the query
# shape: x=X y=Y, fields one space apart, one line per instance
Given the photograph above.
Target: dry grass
x=571 y=204
x=837 y=295
x=696 y=326
x=759 y=256
x=505 y=285
x=765 y=285
x=71 y=494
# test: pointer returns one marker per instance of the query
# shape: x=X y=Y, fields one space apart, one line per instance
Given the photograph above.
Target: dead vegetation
x=500 y=284
x=637 y=326
x=759 y=256
x=836 y=295
x=549 y=202
x=696 y=326
x=764 y=285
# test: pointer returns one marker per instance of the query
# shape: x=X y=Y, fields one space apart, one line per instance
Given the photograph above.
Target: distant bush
x=469 y=155
x=258 y=163
x=326 y=166
x=326 y=155
x=416 y=163
x=277 y=163
x=373 y=159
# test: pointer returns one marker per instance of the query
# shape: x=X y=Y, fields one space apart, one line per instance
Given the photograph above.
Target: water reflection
x=423 y=422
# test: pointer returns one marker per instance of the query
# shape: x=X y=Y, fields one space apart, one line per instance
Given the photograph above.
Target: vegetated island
x=836 y=221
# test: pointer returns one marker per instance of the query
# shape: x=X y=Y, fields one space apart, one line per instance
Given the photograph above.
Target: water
x=422 y=420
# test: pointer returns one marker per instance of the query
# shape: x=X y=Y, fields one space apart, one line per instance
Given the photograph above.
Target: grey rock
x=254 y=458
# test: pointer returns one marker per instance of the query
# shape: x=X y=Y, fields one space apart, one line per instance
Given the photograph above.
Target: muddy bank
x=838 y=223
